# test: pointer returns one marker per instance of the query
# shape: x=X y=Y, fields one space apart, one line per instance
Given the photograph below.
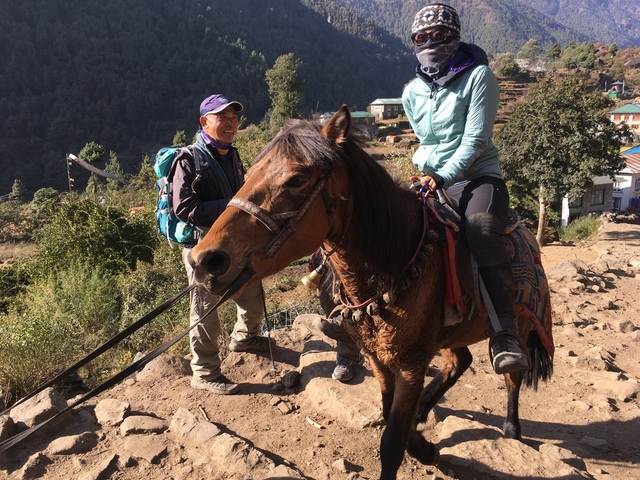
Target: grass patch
x=580 y=229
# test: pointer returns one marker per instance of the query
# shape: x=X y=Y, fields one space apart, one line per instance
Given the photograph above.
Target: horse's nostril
x=216 y=262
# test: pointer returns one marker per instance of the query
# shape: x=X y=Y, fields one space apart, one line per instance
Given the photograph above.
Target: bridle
x=283 y=231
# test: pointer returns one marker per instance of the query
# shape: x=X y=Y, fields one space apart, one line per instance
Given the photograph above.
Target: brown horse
x=313 y=187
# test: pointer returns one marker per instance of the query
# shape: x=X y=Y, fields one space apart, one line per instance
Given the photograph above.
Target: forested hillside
x=606 y=21
x=498 y=26
x=129 y=74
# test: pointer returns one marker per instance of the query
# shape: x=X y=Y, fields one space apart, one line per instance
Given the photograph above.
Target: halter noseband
x=271 y=220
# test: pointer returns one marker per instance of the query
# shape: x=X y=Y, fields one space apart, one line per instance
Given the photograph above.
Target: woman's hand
x=432 y=181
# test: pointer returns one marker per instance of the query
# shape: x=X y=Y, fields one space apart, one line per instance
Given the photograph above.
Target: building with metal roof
x=629 y=114
x=384 y=108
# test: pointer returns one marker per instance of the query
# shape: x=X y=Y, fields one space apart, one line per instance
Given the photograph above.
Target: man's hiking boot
x=220 y=385
x=508 y=353
x=255 y=344
x=344 y=368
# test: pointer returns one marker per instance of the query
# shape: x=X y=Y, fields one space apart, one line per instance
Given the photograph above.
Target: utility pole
x=69 y=179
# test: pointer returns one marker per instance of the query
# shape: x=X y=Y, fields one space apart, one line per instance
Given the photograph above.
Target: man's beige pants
x=203 y=339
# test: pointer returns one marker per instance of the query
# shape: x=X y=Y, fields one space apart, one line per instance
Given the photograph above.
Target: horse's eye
x=296 y=182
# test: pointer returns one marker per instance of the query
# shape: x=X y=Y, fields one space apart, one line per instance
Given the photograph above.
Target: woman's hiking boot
x=508 y=352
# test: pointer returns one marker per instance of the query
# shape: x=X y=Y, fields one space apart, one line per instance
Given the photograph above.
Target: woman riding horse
x=451 y=106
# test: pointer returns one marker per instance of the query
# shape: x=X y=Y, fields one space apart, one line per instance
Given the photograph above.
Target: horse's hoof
x=511 y=431
x=424 y=452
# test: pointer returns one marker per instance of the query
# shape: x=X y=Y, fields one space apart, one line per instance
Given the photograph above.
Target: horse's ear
x=338 y=126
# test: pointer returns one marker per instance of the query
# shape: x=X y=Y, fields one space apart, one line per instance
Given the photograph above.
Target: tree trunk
x=542 y=217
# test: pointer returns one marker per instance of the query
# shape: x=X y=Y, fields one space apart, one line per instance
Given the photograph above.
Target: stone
x=73 y=444
x=344 y=466
x=165 y=365
x=596 y=358
x=35 y=467
x=182 y=422
x=563 y=454
x=622 y=390
x=465 y=442
x=234 y=456
x=281 y=472
x=147 y=447
x=100 y=469
x=597 y=443
x=38 y=409
x=6 y=427
x=201 y=433
x=285 y=407
x=111 y=412
x=142 y=424
x=190 y=430
x=625 y=326
x=326 y=395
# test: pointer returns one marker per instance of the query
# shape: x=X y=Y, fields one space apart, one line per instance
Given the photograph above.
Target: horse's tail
x=541 y=361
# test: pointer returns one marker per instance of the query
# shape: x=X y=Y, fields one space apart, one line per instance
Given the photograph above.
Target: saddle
x=462 y=296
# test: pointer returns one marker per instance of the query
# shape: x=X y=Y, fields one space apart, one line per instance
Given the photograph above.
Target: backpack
x=170 y=226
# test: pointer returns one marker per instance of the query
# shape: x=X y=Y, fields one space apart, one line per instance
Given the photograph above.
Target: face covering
x=435 y=58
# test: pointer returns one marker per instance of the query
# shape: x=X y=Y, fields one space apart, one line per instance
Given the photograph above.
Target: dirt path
x=587 y=418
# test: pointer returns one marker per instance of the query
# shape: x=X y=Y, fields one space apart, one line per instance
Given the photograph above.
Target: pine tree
x=285 y=90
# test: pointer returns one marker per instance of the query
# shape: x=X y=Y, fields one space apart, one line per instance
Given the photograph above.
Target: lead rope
x=266 y=322
x=107 y=345
x=243 y=278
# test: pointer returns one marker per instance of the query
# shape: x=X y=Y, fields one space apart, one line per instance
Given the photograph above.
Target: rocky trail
x=292 y=421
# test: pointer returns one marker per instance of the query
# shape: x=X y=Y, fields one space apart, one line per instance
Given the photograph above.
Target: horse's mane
x=384 y=214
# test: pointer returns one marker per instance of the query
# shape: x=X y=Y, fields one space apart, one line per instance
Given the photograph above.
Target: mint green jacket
x=454 y=124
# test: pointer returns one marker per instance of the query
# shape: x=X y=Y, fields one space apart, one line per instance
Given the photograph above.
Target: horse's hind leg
x=511 y=427
x=454 y=363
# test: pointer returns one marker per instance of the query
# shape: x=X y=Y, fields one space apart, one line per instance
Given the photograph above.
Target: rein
x=270 y=220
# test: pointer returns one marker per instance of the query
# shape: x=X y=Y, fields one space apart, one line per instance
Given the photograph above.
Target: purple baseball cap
x=217 y=103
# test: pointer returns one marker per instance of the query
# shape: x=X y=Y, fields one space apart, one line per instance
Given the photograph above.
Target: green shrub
x=13 y=281
x=580 y=229
x=251 y=141
x=147 y=287
x=56 y=321
x=104 y=234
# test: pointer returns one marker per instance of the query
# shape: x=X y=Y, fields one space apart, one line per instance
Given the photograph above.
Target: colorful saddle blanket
x=532 y=297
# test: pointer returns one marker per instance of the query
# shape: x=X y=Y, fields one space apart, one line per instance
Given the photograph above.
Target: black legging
x=485 y=203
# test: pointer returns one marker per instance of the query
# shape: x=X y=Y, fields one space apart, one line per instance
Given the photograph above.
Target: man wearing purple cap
x=199 y=199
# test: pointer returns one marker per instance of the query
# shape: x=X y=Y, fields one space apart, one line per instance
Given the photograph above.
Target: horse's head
x=288 y=206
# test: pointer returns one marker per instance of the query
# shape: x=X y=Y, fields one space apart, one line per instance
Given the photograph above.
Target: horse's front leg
x=511 y=427
x=400 y=422
x=386 y=379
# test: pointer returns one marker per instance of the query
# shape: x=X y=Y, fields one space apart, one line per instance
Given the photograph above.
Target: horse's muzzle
x=208 y=266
